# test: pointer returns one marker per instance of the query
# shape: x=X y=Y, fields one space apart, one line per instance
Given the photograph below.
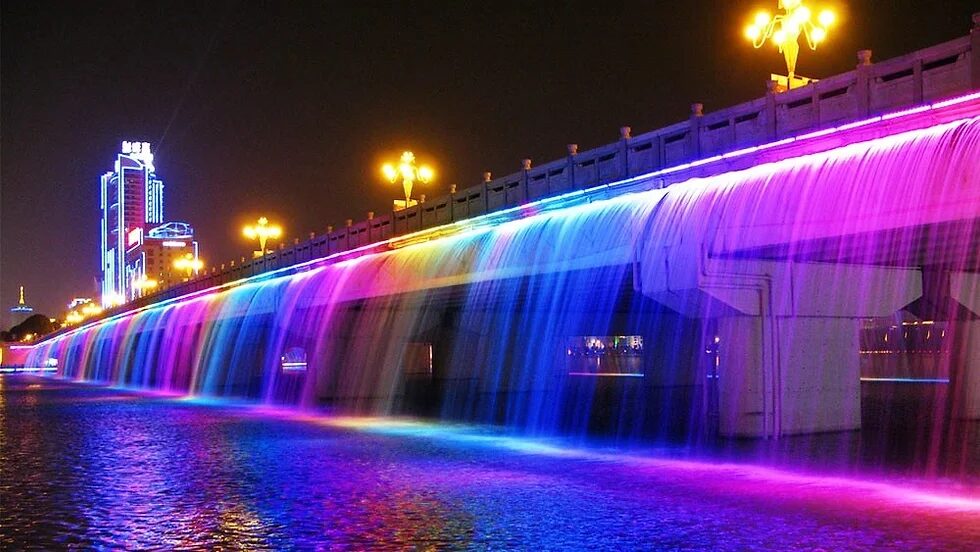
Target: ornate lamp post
x=784 y=31
x=263 y=231
x=408 y=172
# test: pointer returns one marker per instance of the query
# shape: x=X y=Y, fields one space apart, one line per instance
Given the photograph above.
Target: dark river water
x=89 y=467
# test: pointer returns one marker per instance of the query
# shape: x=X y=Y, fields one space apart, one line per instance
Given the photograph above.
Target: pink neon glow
x=606 y=374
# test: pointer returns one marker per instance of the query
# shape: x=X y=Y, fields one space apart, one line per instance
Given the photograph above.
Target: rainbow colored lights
x=497 y=297
x=560 y=202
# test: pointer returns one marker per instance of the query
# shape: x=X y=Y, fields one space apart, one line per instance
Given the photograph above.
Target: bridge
x=749 y=271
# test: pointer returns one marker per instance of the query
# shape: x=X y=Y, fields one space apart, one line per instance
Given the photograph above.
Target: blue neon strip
x=11 y=370
x=907 y=380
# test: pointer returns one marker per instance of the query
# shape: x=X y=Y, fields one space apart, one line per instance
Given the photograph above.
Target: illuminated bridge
x=762 y=270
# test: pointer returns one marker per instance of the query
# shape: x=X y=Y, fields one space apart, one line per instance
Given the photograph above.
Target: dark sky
x=287 y=108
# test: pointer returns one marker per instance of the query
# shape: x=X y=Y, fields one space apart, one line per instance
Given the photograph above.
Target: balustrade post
x=487 y=177
x=572 y=153
x=772 y=116
x=917 y=88
x=814 y=102
x=694 y=134
x=525 y=178
x=624 y=149
x=863 y=86
x=452 y=203
x=975 y=52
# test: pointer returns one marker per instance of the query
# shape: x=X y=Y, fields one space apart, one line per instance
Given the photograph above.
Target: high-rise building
x=132 y=211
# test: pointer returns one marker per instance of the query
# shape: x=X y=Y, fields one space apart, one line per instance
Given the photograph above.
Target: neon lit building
x=132 y=211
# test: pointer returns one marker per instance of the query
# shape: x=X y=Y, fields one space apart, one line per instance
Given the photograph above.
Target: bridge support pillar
x=787 y=340
x=967 y=379
x=781 y=376
x=965 y=289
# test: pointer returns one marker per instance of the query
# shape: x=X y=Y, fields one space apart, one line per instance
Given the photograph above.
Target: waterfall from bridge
x=824 y=292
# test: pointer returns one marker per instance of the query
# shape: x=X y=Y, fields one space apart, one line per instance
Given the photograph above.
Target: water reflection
x=91 y=467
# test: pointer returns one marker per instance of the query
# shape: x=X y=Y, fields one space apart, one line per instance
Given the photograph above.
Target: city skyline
x=235 y=156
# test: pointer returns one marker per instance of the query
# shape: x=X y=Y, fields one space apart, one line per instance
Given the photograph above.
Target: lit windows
x=604 y=356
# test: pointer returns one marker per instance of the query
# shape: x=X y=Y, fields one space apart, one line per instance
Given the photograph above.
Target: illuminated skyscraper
x=132 y=207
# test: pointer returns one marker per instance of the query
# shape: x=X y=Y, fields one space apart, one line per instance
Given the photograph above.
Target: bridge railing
x=920 y=77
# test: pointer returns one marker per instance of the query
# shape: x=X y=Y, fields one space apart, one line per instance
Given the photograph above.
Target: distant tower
x=21 y=311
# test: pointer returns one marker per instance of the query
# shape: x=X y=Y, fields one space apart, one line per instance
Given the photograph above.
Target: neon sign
x=135 y=236
x=138 y=150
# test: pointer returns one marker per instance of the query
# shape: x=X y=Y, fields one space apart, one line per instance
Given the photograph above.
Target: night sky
x=287 y=108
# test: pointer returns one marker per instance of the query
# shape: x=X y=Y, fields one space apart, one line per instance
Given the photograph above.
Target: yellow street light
x=143 y=283
x=113 y=299
x=784 y=31
x=87 y=310
x=90 y=309
x=190 y=263
x=408 y=172
x=263 y=231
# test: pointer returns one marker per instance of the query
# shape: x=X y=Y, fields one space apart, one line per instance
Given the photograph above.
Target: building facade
x=163 y=246
x=133 y=225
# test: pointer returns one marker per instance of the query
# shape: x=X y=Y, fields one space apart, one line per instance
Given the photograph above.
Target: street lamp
x=113 y=299
x=87 y=310
x=190 y=263
x=408 y=172
x=784 y=31
x=90 y=309
x=262 y=231
x=141 y=284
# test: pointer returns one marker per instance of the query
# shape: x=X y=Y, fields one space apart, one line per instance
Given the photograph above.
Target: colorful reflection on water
x=87 y=466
